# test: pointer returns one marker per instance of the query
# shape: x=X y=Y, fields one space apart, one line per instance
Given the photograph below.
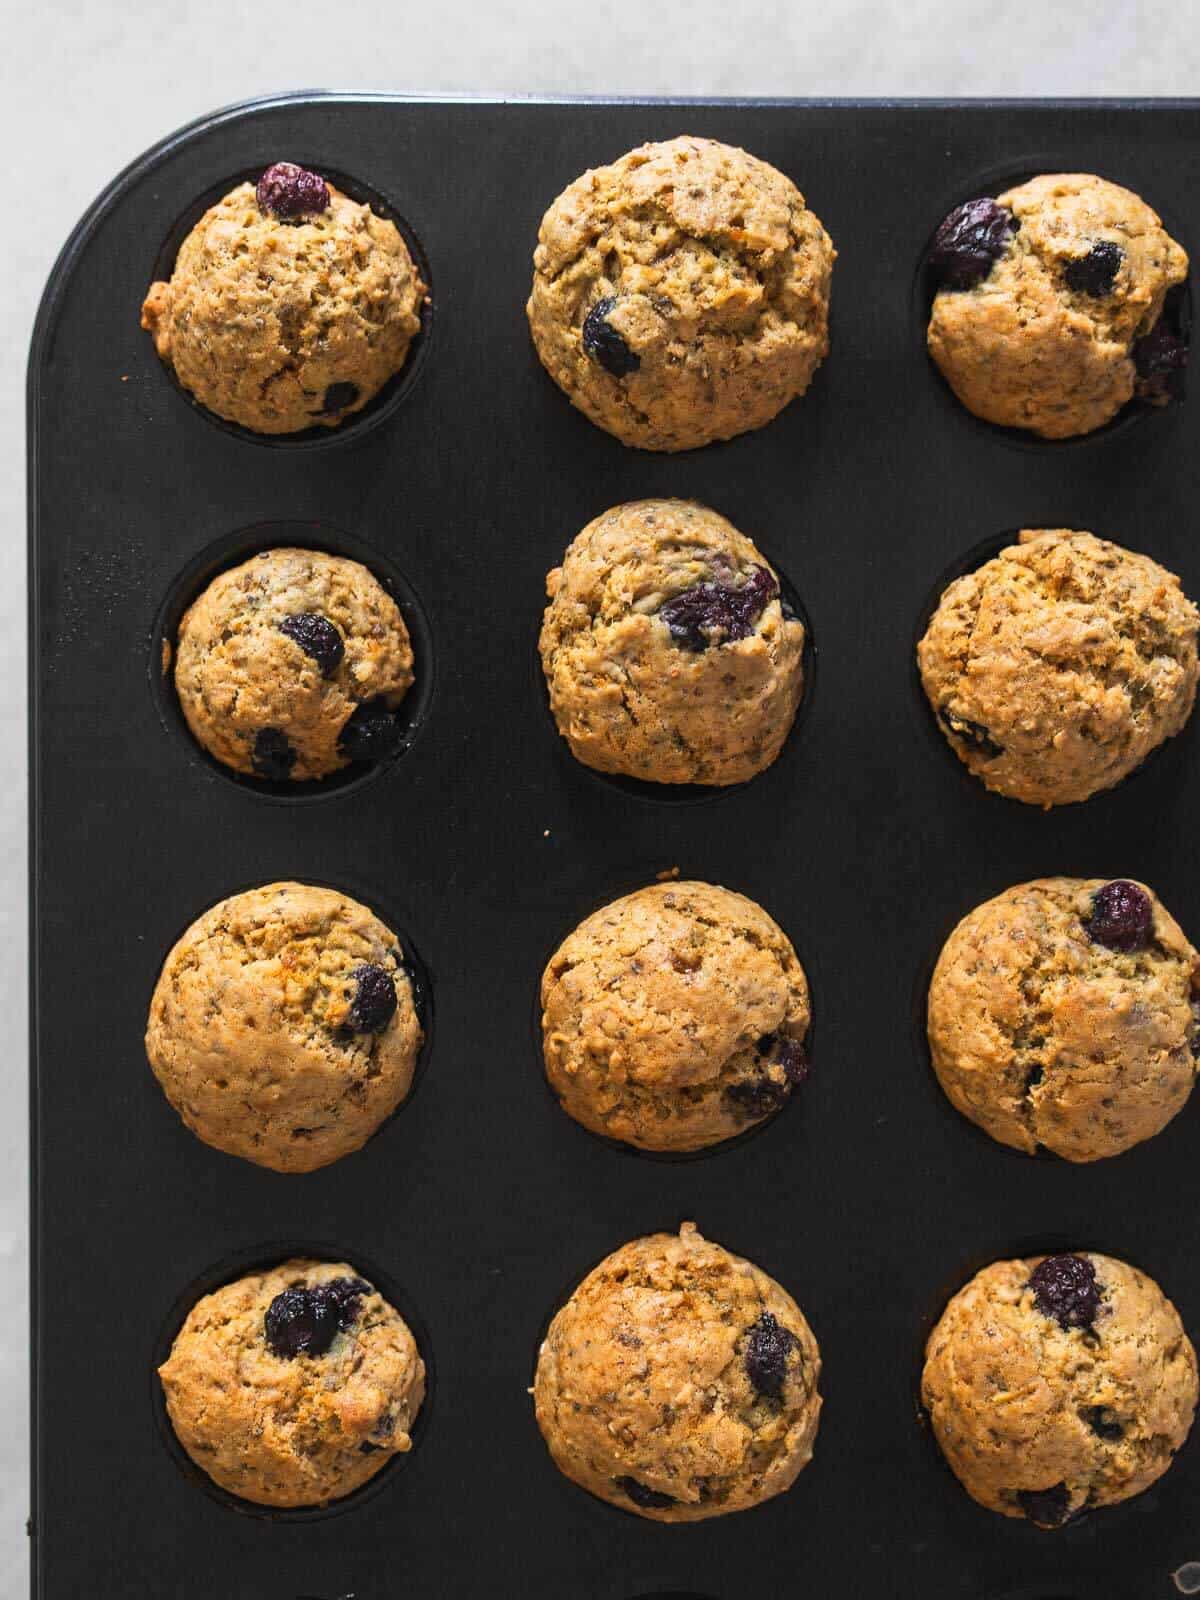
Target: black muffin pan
x=482 y=1204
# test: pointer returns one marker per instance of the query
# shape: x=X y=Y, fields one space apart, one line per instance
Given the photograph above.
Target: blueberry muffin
x=290 y=305
x=293 y=665
x=1064 y=1015
x=294 y=1386
x=283 y=1027
x=669 y=651
x=679 y=1382
x=1057 y=302
x=675 y=1017
x=681 y=295
x=1056 y=668
x=1059 y=1384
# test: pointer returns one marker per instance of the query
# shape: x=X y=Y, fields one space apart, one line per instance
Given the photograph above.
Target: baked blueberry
x=1096 y=272
x=642 y=1496
x=970 y=733
x=718 y=613
x=305 y=1321
x=1065 y=1288
x=318 y=638
x=370 y=733
x=1046 y=1507
x=758 y=1097
x=1100 y=1420
x=1161 y=356
x=338 y=396
x=289 y=191
x=273 y=756
x=1122 y=917
x=768 y=1345
x=374 y=1003
x=604 y=345
x=969 y=243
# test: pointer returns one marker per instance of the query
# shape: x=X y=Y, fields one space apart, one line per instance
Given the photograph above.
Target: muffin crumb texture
x=675 y=1017
x=283 y=1028
x=681 y=295
x=668 y=648
x=1057 y=1385
x=1056 y=1025
x=1057 y=667
x=294 y=1425
x=1059 y=301
x=283 y=313
x=679 y=1382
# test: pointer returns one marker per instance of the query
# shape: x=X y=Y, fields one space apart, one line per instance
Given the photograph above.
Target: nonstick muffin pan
x=482 y=1205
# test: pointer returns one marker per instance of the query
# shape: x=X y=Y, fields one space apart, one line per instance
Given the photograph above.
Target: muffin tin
x=483 y=1205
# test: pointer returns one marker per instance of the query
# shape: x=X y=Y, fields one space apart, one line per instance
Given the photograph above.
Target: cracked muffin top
x=1056 y=668
x=292 y=665
x=1058 y=302
x=679 y=1381
x=668 y=649
x=675 y=1017
x=283 y=1028
x=1063 y=1015
x=1058 y=1384
x=681 y=295
x=290 y=305
x=294 y=1386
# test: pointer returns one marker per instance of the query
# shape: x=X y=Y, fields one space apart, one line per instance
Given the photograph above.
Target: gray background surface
x=89 y=86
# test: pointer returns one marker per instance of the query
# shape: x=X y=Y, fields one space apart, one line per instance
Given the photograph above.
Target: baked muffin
x=1055 y=305
x=292 y=665
x=679 y=1381
x=294 y=1386
x=669 y=651
x=675 y=1017
x=290 y=305
x=1058 y=1384
x=1065 y=1015
x=681 y=295
x=1056 y=668
x=283 y=1028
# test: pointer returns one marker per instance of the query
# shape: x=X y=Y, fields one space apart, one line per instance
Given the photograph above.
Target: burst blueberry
x=370 y=733
x=768 y=1345
x=1122 y=917
x=969 y=243
x=374 y=1003
x=306 y=1321
x=272 y=757
x=604 y=345
x=289 y=191
x=1065 y=1288
x=317 y=637
x=1096 y=272
x=717 y=613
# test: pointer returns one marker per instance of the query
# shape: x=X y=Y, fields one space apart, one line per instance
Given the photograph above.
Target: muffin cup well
x=258 y=1258
x=990 y=182
x=230 y=552
x=394 y=392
